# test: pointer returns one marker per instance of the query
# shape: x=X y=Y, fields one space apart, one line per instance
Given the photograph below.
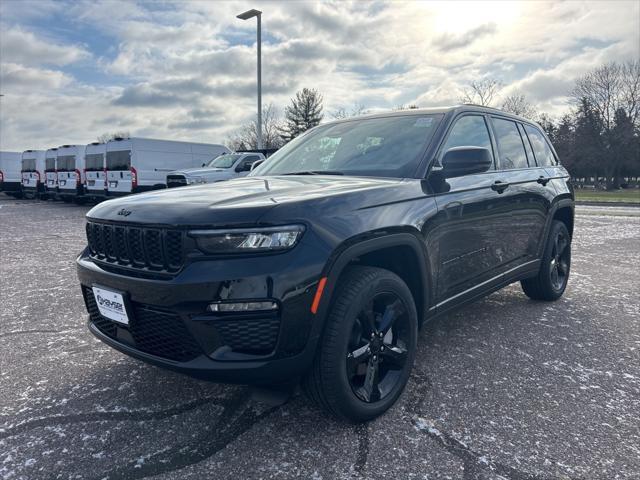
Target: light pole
x=246 y=16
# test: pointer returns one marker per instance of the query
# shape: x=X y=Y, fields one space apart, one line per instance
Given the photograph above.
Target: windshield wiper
x=315 y=172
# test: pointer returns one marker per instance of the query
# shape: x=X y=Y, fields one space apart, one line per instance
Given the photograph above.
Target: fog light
x=243 y=306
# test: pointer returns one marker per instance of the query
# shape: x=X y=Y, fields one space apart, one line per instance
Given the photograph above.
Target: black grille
x=176 y=181
x=257 y=336
x=157 y=333
x=155 y=249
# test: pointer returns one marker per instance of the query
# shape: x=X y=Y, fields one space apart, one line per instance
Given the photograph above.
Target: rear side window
x=469 y=131
x=119 y=160
x=541 y=148
x=50 y=164
x=510 y=145
x=94 y=161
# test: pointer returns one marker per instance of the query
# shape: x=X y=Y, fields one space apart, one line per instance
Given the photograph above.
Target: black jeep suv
x=325 y=260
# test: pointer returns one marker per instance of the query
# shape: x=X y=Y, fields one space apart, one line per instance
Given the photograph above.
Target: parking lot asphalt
x=503 y=388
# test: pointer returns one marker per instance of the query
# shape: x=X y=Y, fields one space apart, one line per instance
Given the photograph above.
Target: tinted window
x=527 y=146
x=119 y=160
x=29 y=165
x=50 y=164
x=66 y=162
x=94 y=161
x=541 y=148
x=469 y=131
x=253 y=158
x=378 y=147
x=224 y=160
x=510 y=146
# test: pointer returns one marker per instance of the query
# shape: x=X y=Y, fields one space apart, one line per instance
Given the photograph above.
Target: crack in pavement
x=362 y=433
x=138 y=415
x=28 y=332
x=474 y=463
x=235 y=419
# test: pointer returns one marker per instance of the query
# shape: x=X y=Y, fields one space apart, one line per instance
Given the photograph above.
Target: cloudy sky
x=71 y=71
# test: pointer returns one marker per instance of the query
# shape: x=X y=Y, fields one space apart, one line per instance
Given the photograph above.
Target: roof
x=470 y=107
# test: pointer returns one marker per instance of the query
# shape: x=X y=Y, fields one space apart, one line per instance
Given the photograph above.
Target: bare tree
x=481 y=92
x=246 y=137
x=609 y=88
x=356 y=110
x=518 y=104
x=105 y=137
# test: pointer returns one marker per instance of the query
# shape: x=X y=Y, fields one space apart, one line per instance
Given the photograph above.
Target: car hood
x=243 y=201
x=197 y=171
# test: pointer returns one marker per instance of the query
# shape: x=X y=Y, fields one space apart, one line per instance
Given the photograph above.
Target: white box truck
x=51 y=173
x=10 y=173
x=32 y=173
x=95 y=170
x=70 y=166
x=141 y=164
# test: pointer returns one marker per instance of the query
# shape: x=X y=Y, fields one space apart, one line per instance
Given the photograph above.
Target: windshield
x=224 y=161
x=50 y=164
x=377 y=147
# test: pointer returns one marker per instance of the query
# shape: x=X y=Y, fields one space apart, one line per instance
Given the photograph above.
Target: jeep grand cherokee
x=323 y=262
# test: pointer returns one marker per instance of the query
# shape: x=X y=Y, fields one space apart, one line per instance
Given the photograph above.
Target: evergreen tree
x=589 y=145
x=624 y=153
x=305 y=112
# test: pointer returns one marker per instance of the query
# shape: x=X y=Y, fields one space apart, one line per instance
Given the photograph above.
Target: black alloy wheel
x=551 y=281
x=368 y=345
x=378 y=347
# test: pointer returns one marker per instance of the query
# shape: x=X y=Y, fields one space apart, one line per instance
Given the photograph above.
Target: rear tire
x=368 y=347
x=551 y=281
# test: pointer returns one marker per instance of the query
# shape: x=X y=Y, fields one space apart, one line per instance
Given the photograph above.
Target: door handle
x=499 y=186
x=543 y=180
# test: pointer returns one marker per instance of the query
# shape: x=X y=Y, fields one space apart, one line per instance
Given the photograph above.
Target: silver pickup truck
x=224 y=167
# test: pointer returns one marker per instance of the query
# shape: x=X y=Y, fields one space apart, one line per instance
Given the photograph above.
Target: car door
x=528 y=197
x=468 y=230
x=550 y=176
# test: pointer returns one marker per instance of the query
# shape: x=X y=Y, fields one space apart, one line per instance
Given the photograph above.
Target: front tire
x=551 y=281
x=368 y=347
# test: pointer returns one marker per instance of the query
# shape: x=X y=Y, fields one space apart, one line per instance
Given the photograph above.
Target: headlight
x=248 y=240
x=192 y=180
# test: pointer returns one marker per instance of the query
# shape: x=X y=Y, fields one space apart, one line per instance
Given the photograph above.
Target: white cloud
x=24 y=47
x=187 y=70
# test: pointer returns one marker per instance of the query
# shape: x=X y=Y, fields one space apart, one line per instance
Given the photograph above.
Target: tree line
x=597 y=139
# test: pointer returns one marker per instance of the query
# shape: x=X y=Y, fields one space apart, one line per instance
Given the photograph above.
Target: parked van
x=95 y=170
x=51 y=173
x=70 y=167
x=10 y=173
x=140 y=164
x=32 y=173
x=222 y=167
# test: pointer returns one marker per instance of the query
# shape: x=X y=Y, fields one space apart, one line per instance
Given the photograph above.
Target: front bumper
x=170 y=326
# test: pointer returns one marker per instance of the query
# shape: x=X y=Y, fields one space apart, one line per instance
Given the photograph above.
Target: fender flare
x=339 y=261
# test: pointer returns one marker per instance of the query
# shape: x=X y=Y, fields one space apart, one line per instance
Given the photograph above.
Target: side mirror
x=204 y=164
x=460 y=161
x=256 y=164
